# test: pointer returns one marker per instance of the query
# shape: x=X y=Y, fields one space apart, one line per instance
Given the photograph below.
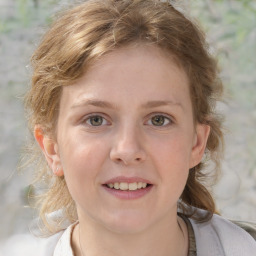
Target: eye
x=159 y=120
x=96 y=120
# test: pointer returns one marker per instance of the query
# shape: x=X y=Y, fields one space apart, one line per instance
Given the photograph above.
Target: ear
x=199 y=145
x=50 y=150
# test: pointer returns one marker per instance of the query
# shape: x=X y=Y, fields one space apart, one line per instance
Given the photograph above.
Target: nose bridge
x=129 y=136
x=127 y=145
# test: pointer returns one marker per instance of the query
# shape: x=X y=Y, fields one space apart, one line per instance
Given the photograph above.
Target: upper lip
x=120 y=179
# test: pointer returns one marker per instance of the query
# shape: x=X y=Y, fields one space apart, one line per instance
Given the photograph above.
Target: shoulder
x=27 y=244
x=249 y=227
x=219 y=236
x=63 y=246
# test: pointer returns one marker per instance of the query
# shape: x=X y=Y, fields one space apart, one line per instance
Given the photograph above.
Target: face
x=127 y=124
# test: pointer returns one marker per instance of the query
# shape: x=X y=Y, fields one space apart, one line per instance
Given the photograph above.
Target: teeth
x=110 y=185
x=116 y=185
x=127 y=186
x=123 y=186
x=133 y=186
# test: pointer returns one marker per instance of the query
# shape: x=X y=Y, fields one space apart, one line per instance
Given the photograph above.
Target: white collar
x=63 y=247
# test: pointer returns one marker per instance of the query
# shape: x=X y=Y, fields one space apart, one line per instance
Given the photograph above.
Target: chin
x=127 y=224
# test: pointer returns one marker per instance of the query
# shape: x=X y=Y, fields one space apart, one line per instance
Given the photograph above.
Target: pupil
x=158 y=120
x=96 y=120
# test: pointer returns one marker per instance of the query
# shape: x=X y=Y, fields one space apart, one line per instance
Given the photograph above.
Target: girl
x=122 y=107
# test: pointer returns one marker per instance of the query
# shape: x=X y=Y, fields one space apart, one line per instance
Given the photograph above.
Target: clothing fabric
x=208 y=246
x=63 y=247
x=216 y=237
x=224 y=238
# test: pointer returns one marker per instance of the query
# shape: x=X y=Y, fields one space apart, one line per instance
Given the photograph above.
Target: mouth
x=126 y=186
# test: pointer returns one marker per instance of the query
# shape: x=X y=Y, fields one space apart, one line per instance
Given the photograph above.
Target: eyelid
x=167 y=116
x=87 y=117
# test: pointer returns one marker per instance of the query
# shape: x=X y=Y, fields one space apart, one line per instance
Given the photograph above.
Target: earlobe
x=50 y=149
x=202 y=134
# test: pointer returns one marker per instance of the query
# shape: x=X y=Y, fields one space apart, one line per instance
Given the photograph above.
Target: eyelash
x=88 y=119
x=165 y=117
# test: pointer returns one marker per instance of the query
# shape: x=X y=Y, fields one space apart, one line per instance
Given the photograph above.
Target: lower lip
x=128 y=194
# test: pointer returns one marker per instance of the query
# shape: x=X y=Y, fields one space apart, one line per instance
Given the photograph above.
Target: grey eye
x=95 y=120
x=160 y=120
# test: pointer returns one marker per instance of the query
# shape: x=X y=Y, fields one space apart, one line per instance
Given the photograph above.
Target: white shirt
x=216 y=237
x=63 y=247
x=220 y=237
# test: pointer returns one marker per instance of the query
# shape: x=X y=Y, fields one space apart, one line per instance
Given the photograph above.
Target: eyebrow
x=159 y=103
x=93 y=102
x=105 y=104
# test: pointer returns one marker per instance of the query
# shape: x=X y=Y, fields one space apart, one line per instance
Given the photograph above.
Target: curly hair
x=79 y=37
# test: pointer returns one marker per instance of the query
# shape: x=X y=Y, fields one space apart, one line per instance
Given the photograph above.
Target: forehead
x=135 y=58
x=137 y=51
x=140 y=70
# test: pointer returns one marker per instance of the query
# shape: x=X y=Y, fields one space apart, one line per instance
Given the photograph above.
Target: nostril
x=127 y=157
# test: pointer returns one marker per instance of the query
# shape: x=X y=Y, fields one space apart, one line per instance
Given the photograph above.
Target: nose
x=128 y=148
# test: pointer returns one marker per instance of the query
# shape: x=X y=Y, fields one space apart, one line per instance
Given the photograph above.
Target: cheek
x=172 y=160
x=173 y=151
x=81 y=160
x=82 y=164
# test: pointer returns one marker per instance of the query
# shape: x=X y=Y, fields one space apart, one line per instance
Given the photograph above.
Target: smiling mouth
x=124 y=186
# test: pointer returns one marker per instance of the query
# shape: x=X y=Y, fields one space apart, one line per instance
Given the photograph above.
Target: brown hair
x=83 y=34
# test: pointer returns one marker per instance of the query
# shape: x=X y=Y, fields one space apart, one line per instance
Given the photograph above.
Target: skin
x=127 y=90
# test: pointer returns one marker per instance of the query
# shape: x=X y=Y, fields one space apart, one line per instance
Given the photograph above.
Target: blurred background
x=231 y=31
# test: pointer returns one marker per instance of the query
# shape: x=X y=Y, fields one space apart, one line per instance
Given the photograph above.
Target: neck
x=162 y=239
